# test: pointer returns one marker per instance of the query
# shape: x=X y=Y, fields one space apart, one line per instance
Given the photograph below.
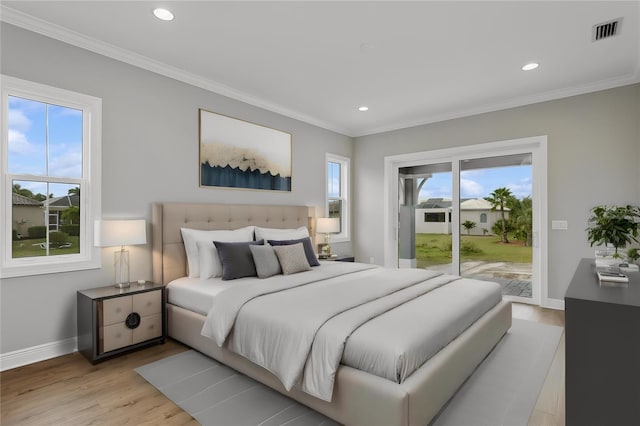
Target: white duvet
x=385 y=321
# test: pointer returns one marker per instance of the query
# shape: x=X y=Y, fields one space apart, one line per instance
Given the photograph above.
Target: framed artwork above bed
x=238 y=154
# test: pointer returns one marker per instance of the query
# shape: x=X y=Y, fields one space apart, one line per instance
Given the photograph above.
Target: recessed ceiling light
x=363 y=108
x=163 y=14
x=530 y=66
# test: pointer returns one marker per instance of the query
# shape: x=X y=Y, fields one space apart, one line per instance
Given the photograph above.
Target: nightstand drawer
x=115 y=310
x=116 y=336
x=149 y=328
x=149 y=303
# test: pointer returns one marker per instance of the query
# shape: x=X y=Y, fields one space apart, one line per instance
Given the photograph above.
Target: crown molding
x=512 y=103
x=37 y=25
x=40 y=26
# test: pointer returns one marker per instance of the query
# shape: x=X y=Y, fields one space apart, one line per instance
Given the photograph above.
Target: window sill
x=15 y=271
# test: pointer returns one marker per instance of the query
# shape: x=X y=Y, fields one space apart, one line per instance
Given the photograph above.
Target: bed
x=358 y=397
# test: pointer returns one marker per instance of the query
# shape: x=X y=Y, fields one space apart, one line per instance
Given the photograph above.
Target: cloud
x=437 y=192
x=521 y=189
x=66 y=164
x=18 y=143
x=18 y=120
x=470 y=188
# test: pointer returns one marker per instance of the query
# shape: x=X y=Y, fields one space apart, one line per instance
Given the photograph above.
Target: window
x=338 y=193
x=483 y=218
x=50 y=179
x=434 y=217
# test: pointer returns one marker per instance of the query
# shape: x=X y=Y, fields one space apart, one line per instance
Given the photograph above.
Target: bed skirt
x=361 y=398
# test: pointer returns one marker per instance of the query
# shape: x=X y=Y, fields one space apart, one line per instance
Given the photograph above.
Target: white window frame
x=536 y=145
x=345 y=176
x=90 y=182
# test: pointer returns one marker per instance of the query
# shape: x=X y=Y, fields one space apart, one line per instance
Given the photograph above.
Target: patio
x=514 y=278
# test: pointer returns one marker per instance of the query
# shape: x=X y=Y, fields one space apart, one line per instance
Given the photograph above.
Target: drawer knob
x=133 y=320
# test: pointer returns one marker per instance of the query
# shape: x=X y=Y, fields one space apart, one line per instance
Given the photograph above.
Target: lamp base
x=121 y=268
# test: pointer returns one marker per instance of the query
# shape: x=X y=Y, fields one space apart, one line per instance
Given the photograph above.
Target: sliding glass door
x=473 y=213
x=496 y=221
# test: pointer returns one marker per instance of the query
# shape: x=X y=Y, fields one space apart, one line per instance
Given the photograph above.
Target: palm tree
x=499 y=199
x=469 y=225
x=521 y=216
x=18 y=189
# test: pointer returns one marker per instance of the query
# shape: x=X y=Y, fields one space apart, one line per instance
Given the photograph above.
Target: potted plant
x=633 y=255
x=614 y=225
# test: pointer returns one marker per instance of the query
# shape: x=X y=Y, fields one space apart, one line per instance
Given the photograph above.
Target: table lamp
x=327 y=226
x=113 y=233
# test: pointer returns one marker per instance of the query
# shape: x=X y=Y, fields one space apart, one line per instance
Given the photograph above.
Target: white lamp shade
x=328 y=225
x=111 y=233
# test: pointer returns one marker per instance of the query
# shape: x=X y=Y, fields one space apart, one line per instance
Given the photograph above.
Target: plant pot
x=604 y=257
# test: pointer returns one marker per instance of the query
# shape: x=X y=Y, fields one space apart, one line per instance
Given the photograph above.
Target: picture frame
x=239 y=154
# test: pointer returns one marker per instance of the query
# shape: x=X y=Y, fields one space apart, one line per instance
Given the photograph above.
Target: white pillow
x=209 y=260
x=267 y=234
x=192 y=236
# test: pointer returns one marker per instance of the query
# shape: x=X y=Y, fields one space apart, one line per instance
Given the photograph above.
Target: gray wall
x=149 y=153
x=593 y=158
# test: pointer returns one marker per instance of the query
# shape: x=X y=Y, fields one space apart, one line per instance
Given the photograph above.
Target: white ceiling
x=410 y=62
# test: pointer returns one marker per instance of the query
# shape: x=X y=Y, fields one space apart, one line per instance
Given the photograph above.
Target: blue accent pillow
x=236 y=259
x=306 y=244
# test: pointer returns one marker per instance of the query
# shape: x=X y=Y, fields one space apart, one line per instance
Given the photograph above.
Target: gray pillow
x=265 y=260
x=306 y=243
x=236 y=259
x=292 y=258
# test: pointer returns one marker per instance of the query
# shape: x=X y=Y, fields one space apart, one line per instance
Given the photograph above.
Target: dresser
x=115 y=320
x=602 y=331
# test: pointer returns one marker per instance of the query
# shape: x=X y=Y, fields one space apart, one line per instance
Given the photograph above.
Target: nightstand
x=115 y=320
x=341 y=258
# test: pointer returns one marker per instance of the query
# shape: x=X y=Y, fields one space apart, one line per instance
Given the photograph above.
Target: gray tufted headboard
x=169 y=258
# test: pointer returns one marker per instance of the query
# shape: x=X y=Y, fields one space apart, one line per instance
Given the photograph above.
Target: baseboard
x=553 y=304
x=38 y=353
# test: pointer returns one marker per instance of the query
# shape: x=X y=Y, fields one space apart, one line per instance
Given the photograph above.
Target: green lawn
x=26 y=248
x=435 y=249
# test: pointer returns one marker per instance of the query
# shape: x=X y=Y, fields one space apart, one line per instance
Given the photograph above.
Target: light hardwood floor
x=68 y=390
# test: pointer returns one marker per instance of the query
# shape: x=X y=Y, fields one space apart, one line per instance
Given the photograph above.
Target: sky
x=33 y=125
x=480 y=183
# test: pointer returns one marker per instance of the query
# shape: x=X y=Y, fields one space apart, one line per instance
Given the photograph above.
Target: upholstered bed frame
x=359 y=398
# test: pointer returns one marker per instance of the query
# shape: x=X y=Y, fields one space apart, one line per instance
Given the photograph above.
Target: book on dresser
x=612 y=276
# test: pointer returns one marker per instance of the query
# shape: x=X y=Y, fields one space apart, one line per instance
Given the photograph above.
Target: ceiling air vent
x=606 y=29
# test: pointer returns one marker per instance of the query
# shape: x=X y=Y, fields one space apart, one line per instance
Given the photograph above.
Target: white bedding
x=195 y=294
x=304 y=328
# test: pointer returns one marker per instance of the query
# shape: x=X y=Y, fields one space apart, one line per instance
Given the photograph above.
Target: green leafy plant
x=615 y=225
x=633 y=254
x=468 y=225
x=499 y=199
x=58 y=239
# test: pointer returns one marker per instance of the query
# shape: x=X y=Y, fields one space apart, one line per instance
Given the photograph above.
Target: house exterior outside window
x=50 y=188
x=338 y=175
